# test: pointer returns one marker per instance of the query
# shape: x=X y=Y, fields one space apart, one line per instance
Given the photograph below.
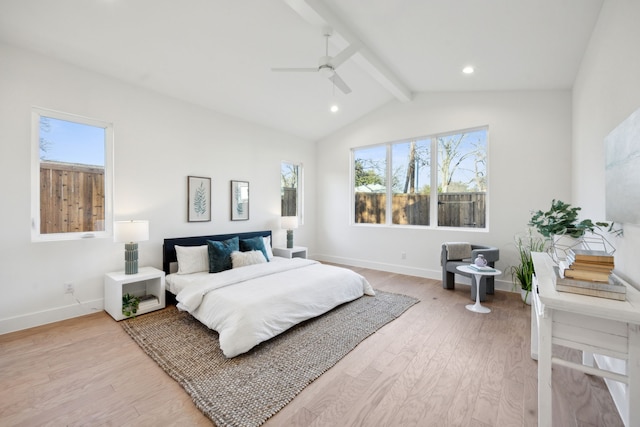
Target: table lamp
x=130 y=233
x=289 y=223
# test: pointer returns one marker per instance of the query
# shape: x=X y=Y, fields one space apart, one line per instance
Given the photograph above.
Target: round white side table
x=477 y=307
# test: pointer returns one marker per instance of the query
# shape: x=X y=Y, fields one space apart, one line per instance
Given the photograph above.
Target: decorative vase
x=526 y=296
x=480 y=261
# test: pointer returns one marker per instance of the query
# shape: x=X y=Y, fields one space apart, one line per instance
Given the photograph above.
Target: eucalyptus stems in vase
x=562 y=219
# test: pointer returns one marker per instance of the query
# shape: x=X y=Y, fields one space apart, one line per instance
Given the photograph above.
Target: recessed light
x=468 y=69
x=334 y=108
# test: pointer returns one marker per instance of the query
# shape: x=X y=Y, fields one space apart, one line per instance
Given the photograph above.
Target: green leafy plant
x=200 y=200
x=522 y=274
x=562 y=219
x=130 y=305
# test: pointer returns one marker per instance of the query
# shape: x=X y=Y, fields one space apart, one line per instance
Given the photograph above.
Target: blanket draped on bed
x=252 y=304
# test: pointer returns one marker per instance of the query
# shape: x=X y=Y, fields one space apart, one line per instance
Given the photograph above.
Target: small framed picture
x=239 y=200
x=199 y=199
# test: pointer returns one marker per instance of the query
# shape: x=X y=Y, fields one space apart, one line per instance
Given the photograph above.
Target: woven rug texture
x=248 y=389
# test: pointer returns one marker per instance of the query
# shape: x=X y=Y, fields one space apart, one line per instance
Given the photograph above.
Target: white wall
x=529 y=164
x=606 y=91
x=159 y=141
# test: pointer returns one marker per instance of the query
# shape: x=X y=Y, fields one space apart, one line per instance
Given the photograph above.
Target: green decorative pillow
x=254 y=244
x=220 y=254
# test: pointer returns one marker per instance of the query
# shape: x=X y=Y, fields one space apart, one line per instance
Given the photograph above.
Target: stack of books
x=589 y=272
x=147 y=301
x=588 y=265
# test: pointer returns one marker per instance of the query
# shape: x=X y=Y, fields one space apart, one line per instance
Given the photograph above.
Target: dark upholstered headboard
x=169 y=246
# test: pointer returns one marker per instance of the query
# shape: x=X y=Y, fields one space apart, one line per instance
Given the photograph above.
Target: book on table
x=577 y=265
x=478 y=268
x=587 y=275
x=570 y=271
x=613 y=288
x=588 y=255
x=147 y=301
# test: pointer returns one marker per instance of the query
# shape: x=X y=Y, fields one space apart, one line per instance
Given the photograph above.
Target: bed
x=252 y=296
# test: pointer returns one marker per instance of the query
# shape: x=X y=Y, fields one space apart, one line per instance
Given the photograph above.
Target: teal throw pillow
x=254 y=244
x=220 y=254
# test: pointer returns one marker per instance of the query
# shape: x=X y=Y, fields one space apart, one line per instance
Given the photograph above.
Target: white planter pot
x=560 y=245
x=526 y=296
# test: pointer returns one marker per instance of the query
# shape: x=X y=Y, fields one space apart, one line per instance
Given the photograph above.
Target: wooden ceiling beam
x=317 y=13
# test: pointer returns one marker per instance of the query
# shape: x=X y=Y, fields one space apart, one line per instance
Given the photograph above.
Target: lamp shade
x=289 y=222
x=131 y=231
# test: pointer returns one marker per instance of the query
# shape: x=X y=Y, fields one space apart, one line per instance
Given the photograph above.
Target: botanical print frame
x=239 y=200
x=199 y=199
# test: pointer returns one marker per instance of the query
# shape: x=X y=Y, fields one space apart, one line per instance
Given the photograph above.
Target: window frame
x=36 y=236
x=299 y=189
x=433 y=207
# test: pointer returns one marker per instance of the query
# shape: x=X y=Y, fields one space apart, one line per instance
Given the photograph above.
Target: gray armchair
x=451 y=260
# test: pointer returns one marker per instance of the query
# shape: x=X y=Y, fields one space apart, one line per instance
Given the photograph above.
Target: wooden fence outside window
x=71 y=198
x=454 y=209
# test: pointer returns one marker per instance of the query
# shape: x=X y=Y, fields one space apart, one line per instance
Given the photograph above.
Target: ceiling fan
x=327 y=64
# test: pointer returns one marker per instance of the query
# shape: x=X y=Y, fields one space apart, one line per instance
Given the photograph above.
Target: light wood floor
x=438 y=364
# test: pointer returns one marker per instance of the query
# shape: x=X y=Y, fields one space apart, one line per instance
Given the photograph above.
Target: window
x=291 y=189
x=439 y=179
x=71 y=176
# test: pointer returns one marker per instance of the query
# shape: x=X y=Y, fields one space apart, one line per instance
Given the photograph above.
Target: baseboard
x=31 y=320
x=501 y=285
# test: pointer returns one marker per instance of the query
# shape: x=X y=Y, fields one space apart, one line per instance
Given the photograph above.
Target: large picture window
x=438 y=181
x=71 y=176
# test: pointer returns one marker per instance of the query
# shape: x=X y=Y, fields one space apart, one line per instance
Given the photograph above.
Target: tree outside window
x=396 y=183
x=289 y=188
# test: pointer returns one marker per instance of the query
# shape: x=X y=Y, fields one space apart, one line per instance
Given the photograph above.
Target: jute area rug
x=250 y=388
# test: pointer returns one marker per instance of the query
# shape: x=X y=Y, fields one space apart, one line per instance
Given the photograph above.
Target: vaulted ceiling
x=219 y=53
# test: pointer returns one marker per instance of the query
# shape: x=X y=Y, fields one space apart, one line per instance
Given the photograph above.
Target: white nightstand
x=294 y=252
x=148 y=281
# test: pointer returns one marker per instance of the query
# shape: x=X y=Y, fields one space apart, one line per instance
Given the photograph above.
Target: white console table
x=596 y=326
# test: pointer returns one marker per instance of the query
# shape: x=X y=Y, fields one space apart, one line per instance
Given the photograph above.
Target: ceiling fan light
x=327 y=72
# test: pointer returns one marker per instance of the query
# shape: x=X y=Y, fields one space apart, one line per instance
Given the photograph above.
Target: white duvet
x=252 y=304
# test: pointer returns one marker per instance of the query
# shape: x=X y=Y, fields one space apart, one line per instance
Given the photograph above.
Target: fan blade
x=345 y=54
x=296 y=70
x=340 y=84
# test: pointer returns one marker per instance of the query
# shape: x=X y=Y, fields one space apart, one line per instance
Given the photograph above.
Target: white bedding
x=252 y=304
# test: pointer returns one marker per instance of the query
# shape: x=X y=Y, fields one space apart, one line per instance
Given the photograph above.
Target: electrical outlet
x=403 y=255
x=68 y=288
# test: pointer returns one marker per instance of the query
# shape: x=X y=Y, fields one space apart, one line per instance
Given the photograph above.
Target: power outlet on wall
x=68 y=288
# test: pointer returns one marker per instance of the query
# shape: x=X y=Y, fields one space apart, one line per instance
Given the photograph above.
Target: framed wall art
x=239 y=200
x=199 y=199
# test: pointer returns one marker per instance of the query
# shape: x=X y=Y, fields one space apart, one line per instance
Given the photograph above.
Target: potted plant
x=560 y=225
x=522 y=274
x=130 y=305
x=562 y=219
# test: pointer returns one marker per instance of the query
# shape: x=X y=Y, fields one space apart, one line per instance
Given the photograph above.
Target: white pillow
x=267 y=247
x=242 y=259
x=192 y=259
